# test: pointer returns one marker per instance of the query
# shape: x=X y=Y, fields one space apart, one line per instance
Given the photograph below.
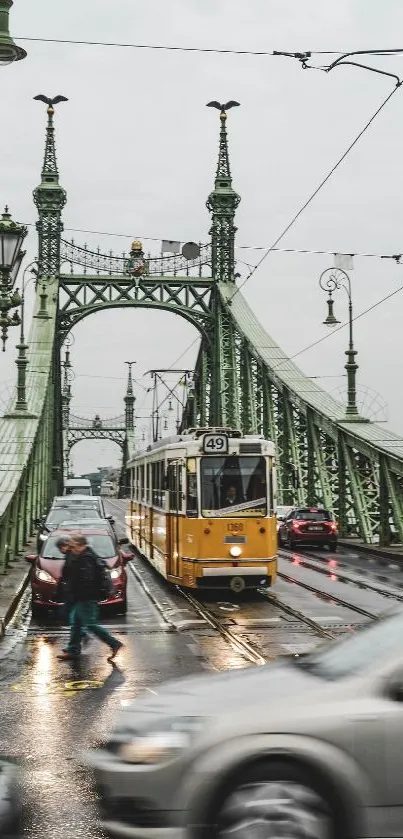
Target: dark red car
x=48 y=565
x=308 y=526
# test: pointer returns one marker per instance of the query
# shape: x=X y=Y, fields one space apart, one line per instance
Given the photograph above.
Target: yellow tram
x=202 y=509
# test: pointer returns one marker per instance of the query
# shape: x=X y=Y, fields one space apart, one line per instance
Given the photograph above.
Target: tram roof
x=191 y=435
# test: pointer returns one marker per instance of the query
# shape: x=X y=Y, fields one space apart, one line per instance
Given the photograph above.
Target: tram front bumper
x=236 y=578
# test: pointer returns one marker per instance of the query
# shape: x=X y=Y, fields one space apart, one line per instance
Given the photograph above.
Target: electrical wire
x=342 y=326
x=165 y=47
x=316 y=191
x=299 y=213
x=303 y=251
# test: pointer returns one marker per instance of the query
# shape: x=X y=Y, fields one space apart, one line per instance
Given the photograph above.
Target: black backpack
x=104 y=581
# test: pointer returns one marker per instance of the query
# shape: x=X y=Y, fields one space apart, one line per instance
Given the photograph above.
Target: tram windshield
x=233 y=486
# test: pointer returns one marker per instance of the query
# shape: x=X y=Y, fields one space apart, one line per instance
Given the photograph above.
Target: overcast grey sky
x=137 y=154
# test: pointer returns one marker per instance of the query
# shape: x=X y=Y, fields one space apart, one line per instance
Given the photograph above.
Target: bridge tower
x=50 y=198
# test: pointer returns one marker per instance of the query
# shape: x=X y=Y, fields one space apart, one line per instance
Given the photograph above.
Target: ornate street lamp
x=12 y=236
x=331 y=280
x=9 y=51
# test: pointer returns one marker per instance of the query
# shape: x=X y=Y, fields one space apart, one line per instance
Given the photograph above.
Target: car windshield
x=366 y=648
x=233 y=486
x=101 y=544
x=61 y=514
x=312 y=515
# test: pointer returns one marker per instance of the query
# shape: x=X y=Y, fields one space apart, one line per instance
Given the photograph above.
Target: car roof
x=312 y=509
x=92 y=531
x=96 y=524
x=63 y=499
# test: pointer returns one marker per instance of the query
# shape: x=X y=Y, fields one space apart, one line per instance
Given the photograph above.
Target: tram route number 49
x=215 y=444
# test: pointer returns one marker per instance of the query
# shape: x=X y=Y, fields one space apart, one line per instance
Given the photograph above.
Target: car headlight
x=44 y=577
x=116 y=573
x=160 y=746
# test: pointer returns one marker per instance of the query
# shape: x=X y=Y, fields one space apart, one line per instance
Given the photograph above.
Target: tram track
x=384 y=591
x=239 y=644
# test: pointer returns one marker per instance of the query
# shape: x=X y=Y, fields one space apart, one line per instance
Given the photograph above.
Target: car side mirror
x=124 y=541
x=111 y=519
x=30 y=558
x=126 y=558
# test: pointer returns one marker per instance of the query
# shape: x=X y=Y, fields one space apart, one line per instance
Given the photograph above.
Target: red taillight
x=333 y=525
x=296 y=524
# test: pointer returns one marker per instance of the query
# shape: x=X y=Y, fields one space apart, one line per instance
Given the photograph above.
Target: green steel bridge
x=242 y=377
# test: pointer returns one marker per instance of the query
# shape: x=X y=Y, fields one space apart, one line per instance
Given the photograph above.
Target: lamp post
x=9 y=51
x=330 y=281
x=22 y=361
x=12 y=236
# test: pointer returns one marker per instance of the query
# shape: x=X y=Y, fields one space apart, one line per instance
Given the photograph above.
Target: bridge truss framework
x=242 y=377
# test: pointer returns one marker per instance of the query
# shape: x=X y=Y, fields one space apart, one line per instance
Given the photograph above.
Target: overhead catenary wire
x=299 y=213
x=166 y=47
x=317 y=190
x=303 y=251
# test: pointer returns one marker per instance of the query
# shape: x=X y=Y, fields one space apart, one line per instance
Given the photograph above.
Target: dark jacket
x=81 y=577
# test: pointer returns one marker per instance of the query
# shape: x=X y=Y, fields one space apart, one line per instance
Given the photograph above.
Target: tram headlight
x=235 y=550
x=160 y=745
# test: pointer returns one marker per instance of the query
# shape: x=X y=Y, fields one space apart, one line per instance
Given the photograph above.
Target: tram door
x=175 y=508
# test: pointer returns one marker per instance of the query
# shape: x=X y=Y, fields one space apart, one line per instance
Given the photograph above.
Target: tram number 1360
x=215 y=444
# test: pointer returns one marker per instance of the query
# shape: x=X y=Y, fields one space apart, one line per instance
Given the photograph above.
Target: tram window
x=158 y=483
x=271 y=487
x=175 y=487
x=142 y=497
x=191 y=488
x=148 y=496
x=234 y=486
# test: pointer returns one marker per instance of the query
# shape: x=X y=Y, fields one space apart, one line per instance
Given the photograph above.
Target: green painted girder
x=26 y=459
x=83 y=295
x=114 y=435
x=354 y=468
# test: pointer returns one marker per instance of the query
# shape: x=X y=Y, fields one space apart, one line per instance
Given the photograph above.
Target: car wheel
x=36 y=611
x=274 y=800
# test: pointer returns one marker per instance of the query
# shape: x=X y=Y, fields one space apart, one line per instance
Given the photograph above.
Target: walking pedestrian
x=63 y=545
x=86 y=579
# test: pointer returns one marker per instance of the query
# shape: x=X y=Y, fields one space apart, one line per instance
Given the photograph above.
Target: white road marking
x=328 y=618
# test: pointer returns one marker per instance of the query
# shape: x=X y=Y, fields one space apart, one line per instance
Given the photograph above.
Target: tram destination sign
x=215 y=444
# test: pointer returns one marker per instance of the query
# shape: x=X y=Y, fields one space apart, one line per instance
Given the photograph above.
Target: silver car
x=10 y=807
x=282 y=513
x=309 y=747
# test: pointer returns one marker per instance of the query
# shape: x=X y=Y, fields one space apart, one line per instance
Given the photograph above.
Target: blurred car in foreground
x=308 y=747
x=281 y=513
x=47 y=570
x=10 y=809
x=308 y=526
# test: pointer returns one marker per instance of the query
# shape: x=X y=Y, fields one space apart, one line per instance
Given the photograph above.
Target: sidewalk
x=392 y=553
x=12 y=587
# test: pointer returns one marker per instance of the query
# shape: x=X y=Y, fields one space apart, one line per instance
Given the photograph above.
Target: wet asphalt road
x=50 y=711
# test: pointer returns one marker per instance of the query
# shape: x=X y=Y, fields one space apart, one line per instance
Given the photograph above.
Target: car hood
x=204 y=695
x=55 y=566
